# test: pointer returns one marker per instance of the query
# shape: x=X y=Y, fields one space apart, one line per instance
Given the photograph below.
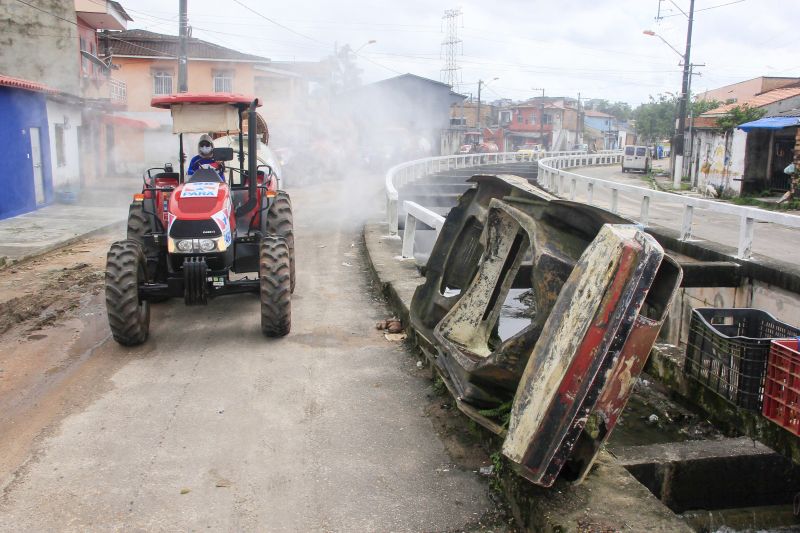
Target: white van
x=636 y=158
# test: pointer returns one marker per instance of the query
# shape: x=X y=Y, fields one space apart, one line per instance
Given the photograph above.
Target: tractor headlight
x=196 y=246
x=207 y=245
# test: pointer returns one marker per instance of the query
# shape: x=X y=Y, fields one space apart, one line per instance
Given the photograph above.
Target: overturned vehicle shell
x=598 y=291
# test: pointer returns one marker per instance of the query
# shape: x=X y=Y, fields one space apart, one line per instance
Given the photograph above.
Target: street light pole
x=541 y=117
x=183 y=61
x=677 y=169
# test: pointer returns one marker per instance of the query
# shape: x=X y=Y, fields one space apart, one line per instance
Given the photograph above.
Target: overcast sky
x=592 y=47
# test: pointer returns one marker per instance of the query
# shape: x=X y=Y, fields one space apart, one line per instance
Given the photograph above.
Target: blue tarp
x=770 y=123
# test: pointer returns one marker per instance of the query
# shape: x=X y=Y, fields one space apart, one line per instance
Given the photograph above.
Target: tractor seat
x=204 y=175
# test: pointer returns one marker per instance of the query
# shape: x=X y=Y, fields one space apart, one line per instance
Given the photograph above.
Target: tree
x=701 y=106
x=656 y=119
x=739 y=115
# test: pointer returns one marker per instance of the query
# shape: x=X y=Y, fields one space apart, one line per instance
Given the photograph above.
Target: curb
x=62 y=244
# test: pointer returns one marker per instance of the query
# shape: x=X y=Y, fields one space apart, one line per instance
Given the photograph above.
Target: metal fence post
x=614 y=201
x=391 y=214
x=686 y=226
x=746 y=228
x=644 y=215
x=409 y=232
x=574 y=189
x=589 y=193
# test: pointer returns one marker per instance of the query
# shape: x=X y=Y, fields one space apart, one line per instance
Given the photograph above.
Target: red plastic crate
x=782 y=385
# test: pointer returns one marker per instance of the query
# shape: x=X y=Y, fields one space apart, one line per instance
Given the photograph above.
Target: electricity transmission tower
x=450 y=48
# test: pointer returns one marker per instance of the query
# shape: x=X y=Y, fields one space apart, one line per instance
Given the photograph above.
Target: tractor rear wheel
x=276 y=293
x=281 y=222
x=128 y=316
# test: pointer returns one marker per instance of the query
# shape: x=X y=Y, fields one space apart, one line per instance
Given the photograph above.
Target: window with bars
x=223 y=82
x=162 y=82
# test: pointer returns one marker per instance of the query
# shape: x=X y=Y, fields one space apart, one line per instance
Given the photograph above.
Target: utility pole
x=478 y=118
x=541 y=117
x=183 y=62
x=677 y=169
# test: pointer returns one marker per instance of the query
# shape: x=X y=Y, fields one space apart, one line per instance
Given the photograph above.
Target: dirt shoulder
x=51 y=323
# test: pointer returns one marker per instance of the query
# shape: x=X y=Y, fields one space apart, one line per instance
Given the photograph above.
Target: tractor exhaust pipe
x=252 y=159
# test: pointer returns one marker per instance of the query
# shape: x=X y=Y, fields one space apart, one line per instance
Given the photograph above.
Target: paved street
x=211 y=426
x=770 y=240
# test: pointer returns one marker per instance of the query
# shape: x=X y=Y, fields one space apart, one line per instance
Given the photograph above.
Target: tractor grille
x=194 y=229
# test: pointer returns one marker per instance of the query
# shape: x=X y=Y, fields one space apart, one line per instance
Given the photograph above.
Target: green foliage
x=656 y=119
x=502 y=413
x=739 y=115
x=620 y=110
x=499 y=467
x=701 y=106
x=438 y=385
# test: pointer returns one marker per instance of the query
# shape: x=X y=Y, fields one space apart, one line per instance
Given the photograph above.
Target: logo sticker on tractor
x=221 y=218
x=200 y=190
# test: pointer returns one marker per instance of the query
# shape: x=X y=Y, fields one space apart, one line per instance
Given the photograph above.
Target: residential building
x=466 y=114
x=66 y=86
x=737 y=162
x=744 y=90
x=601 y=129
x=25 y=137
x=147 y=63
x=407 y=112
x=550 y=121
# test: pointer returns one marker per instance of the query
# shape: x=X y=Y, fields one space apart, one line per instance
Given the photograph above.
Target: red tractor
x=186 y=237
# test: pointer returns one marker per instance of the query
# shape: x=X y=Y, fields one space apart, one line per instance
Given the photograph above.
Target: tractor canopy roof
x=204 y=112
x=235 y=99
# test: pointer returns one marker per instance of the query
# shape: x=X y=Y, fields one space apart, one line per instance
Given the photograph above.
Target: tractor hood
x=200 y=200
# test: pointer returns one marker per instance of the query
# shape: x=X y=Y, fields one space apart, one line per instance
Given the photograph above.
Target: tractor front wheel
x=281 y=222
x=276 y=293
x=128 y=316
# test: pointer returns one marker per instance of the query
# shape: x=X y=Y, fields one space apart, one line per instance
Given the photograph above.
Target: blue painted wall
x=19 y=111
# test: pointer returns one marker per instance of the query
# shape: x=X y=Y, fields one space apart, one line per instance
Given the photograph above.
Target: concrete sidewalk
x=53 y=226
x=611 y=498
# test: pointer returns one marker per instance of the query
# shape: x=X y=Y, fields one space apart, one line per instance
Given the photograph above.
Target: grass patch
x=751 y=201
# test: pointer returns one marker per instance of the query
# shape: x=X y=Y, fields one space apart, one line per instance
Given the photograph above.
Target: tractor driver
x=205 y=149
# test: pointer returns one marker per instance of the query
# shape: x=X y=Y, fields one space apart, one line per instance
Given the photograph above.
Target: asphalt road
x=211 y=426
x=770 y=240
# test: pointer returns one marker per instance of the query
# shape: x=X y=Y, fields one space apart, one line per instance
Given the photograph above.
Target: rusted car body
x=601 y=288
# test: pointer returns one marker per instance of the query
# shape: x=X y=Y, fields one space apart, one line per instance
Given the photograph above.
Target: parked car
x=636 y=158
x=527 y=151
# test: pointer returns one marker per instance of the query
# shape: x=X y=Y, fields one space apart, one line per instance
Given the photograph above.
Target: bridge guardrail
x=414 y=213
x=410 y=171
x=554 y=177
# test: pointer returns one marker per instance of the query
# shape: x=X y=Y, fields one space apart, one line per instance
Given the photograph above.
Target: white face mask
x=206 y=150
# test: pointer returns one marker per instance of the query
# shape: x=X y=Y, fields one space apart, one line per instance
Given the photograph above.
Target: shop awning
x=770 y=123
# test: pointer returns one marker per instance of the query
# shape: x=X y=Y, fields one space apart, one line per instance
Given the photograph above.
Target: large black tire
x=281 y=222
x=276 y=294
x=128 y=317
x=138 y=225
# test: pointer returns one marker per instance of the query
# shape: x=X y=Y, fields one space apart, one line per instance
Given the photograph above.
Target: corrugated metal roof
x=19 y=83
x=760 y=100
x=150 y=44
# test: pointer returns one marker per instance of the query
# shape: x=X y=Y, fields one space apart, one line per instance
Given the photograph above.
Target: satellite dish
x=105 y=65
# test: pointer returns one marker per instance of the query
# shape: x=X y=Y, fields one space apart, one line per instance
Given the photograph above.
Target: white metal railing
x=411 y=171
x=414 y=213
x=554 y=177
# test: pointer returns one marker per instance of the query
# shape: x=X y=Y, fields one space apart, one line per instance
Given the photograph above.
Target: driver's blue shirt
x=198 y=160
